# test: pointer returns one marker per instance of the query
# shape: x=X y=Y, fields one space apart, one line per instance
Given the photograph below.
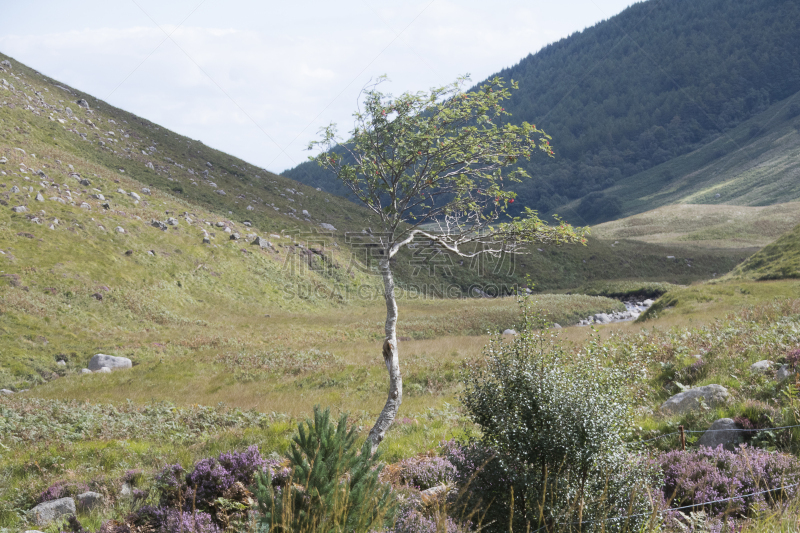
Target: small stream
x=633 y=308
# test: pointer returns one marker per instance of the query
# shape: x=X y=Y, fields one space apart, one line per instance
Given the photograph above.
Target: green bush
x=333 y=486
x=555 y=426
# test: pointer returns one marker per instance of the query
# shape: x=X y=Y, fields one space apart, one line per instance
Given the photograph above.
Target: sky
x=258 y=79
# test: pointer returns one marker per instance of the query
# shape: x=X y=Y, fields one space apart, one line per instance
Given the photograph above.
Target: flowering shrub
x=61 y=489
x=703 y=475
x=170 y=482
x=211 y=478
x=413 y=521
x=133 y=477
x=243 y=465
x=426 y=472
x=279 y=471
x=177 y=521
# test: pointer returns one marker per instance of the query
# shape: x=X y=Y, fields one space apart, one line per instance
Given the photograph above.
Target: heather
x=695 y=477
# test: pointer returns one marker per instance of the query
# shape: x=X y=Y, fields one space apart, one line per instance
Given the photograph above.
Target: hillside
x=705 y=226
x=779 y=260
x=660 y=80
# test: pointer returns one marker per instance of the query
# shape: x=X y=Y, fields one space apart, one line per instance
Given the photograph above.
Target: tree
x=437 y=166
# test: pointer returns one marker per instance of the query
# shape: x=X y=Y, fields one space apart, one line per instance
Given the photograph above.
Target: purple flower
x=426 y=472
x=412 y=521
x=61 y=489
x=704 y=475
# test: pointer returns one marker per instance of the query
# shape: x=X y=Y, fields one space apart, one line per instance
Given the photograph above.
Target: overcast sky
x=258 y=79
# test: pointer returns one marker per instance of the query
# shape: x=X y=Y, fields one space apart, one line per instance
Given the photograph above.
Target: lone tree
x=436 y=166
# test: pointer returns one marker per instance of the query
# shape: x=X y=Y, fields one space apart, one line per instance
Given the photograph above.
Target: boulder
x=85 y=371
x=687 y=400
x=103 y=370
x=234 y=236
x=89 y=500
x=6 y=392
x=112 y=362
x=39 y=197
x=145 y=190
x=723 y=431
x=119 y=229
x=19 y=209
x=46 y=512
x=15 y=189
x=172 y=221
x=327 y=226
x=262 y=242
x=784 y=372
x=761 y=366
x=509 y=332
x=134 y=196
x=83 y=103
x=602 y=318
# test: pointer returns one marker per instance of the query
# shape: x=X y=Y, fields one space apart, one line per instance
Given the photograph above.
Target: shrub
x=61 y=489
x=695 y=477
x=553 y=429
x=178 y=521
x=413 y=521
x=170 y=482
x=332 y=487
x=426 y=472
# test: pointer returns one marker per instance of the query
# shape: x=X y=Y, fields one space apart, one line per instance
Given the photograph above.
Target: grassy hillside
x=705 y=226
x=779 y=260
x=626 y=97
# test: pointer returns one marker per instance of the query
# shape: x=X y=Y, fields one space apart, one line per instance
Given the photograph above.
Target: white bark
x=391 y=358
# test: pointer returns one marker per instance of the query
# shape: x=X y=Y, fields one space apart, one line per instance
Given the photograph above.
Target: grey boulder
x=784 y=372
x=723 y=431
x=46 y=512
x=687 y=400
x=761 y=366
x=89 y=500
x=509 y=332
x=110 y=361
x=262 y=242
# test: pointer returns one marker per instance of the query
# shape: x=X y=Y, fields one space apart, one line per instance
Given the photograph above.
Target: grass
x=778 y=260
x=278 y=330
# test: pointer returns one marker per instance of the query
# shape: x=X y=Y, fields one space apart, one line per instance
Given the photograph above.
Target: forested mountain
x=661 y=79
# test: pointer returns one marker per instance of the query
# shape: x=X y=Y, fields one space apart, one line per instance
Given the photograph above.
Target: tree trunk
x=392 y=360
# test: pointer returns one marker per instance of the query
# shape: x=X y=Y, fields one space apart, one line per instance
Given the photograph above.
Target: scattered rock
x=89 y=500
x=61 y=363
x=84 y=205
x=83 y=103
x=761 y=366
x=6 y=392
x=39 y=197
x=85 y=371
x=784 y=372
x=249 y=207
x=305 y=212
x=126 y=490
x=262 y=242
x=556 y=325
x=220 y=224
x=14 y=189
x=46 y=512
x=145 y=190
x=509 y=332
x=108 y=361
x=602 y=318
x=158 y=224
x=682 y=402
x=19 y=209
x=134 y=195
x=150 y=165
x=172 y=221
x=648 y=302
x=327 y=226
x=97 y=296
x=220 y=192
x=723 y=431
x=119 y=229
x=103 y=370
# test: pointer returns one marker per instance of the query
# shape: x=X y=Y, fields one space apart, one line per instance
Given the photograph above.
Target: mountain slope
x=779 y=260
x=657 y=81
